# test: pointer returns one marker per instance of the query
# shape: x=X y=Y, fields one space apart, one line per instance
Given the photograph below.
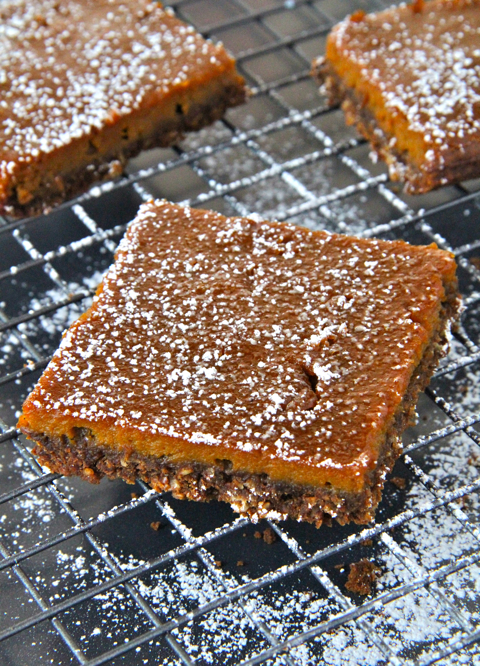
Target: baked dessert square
x=259 y=363
x=86 y=84
x=409 y=79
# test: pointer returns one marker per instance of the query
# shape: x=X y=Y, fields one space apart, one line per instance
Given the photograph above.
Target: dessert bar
x=409 y=79
x=86 y=84
x=258 y=363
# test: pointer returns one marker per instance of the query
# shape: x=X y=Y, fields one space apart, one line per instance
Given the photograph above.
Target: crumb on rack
x=269 y=535
x=475 y=261
x=362 y=577
x=399 y=482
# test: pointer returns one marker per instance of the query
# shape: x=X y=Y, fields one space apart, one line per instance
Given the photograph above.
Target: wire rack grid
x=100 y=574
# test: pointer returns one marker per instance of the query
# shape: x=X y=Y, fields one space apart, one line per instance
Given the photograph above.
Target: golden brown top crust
x=265 y=338
x=72 y=66
x=424 y=59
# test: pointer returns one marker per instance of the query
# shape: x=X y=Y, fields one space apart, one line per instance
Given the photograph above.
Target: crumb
x=218 y=564
x=244 y=534
x=338 y=566
x=257 y=534
x=362 y=577
x=399 y=481
x=367 y=542
x=418 y=6
x=134 y=495
x=474 y=460
x=240 y=563
x=156 y=525
x=475 y=261
x=269 y=535
x=307 y=540
x=357 y=16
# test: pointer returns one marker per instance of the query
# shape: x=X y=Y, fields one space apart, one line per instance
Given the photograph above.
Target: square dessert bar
x=86 y=84
x=259 y=363
x=409 y=79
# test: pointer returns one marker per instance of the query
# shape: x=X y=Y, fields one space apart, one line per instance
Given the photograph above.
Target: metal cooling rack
x=100 y=574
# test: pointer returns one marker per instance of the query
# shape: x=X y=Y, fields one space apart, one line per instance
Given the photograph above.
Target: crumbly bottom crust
x=253 y=495
x=400 y=167
x=108 y=167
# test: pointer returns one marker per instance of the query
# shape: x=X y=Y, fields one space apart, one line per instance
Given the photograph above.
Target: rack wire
x=97 y=575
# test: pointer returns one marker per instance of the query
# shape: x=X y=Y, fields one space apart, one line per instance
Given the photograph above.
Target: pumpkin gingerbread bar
x=86 y=84
x=409 y=79
x=259 y=363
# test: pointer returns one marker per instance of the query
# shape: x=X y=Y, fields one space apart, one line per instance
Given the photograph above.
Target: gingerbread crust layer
x=253 y=495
